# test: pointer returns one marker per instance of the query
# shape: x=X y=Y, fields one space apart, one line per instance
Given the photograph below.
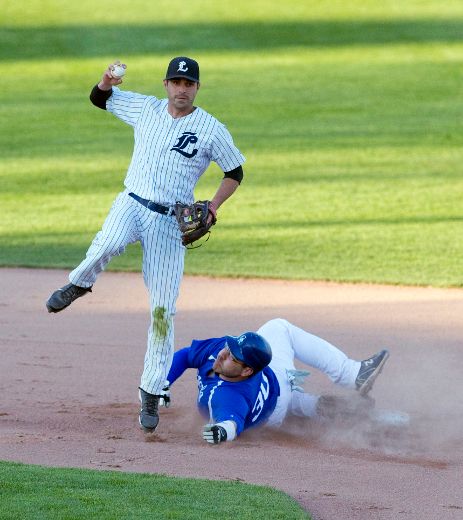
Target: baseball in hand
x=118 y=70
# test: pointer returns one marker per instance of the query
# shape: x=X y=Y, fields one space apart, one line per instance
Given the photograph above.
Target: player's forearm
x=226 y=189
x=179 y=365
x=102 y=92
x=99 y=97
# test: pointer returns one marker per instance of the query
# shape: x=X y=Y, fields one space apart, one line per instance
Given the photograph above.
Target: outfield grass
x=350 y=116
x=36 y=493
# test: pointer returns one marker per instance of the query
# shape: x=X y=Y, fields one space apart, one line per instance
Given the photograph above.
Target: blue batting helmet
x=251 y=349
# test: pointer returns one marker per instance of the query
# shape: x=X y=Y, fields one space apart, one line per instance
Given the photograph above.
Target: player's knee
x=275 y=328
x=106 y=246
x=279 y=323
x=112 y=248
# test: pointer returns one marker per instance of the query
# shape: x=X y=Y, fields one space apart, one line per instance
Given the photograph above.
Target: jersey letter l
x=183 y=141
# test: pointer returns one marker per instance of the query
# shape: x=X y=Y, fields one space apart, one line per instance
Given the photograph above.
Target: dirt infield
x=69 y=390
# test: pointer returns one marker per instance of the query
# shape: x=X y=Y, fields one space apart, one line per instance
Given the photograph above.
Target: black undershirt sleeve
x=99 y=97
x=236 y=174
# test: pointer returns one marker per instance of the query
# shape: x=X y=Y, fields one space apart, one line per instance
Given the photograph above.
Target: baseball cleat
x=369 y=371
x=63 y=297
x=149 y=416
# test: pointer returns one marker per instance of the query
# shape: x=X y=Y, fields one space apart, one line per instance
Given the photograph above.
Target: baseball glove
x=193 y=220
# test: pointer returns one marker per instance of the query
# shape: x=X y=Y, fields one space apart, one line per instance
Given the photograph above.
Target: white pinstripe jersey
x=170 y=155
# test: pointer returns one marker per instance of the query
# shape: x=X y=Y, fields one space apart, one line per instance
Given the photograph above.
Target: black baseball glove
x=193 y=220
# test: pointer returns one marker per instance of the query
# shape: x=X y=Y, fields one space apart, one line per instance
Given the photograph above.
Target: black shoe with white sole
x=63 y=297
x=149 y=416
x=369 y=371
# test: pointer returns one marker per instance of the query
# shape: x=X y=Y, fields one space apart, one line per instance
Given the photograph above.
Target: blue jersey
x=247 y=403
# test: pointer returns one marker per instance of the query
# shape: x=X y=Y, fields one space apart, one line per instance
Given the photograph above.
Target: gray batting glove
x=213 y=433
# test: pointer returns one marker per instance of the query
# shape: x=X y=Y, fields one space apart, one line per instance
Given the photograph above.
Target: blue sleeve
x=228 y=405
x=193 y=356
x=179 y=364
x=201 y=350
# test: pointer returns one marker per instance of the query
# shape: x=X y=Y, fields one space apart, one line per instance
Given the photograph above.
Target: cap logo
x=182 y=67
x=241 y=339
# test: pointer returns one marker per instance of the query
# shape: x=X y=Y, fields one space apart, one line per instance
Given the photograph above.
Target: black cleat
x=149 y=416
x=369 y=371
x=63 y=297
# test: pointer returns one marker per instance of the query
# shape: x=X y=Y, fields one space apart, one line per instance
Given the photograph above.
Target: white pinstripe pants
x=163 y=261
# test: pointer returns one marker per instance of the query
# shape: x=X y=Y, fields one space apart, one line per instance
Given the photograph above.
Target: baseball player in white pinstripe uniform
x=175 y=142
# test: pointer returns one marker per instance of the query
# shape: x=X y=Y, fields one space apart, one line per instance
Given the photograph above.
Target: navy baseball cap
x=183 y=67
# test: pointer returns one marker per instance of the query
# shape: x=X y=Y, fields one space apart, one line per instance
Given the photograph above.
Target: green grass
x=39 y=493
x=350 y=116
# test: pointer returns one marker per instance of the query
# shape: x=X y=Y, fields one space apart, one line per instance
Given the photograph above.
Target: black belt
x=163 y=210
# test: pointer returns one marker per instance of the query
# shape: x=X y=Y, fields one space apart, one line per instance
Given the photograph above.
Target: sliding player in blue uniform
x=249 y=380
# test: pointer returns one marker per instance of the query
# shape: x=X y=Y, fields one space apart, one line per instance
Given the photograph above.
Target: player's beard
x=219 y=370
x=183 y=103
